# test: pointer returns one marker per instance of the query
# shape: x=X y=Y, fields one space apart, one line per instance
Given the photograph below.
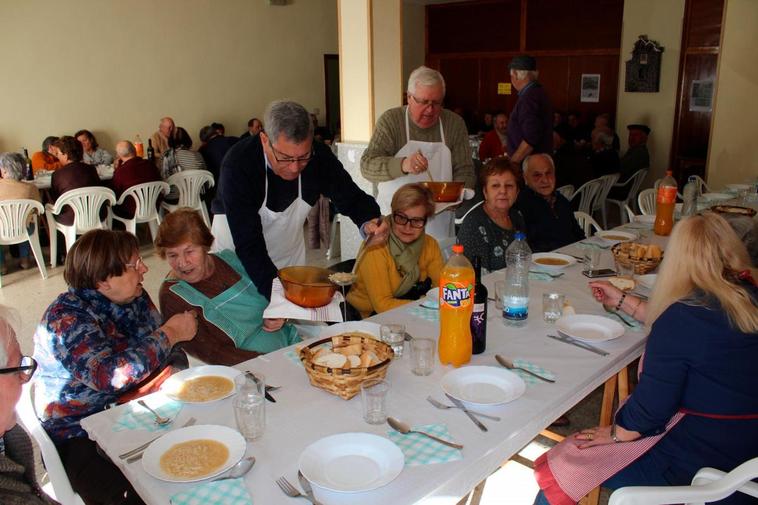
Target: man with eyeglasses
x=530 y=126
x=17 y=480
x=417 y=142
x=269 y=183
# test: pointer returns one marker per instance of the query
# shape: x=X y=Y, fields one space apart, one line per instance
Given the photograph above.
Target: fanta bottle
x=139 y=146
x=456 y=305
x=665 y=201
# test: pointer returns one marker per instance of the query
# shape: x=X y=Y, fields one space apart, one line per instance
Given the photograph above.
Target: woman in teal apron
x=231 y=328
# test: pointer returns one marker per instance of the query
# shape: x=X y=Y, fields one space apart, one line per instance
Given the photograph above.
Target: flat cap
x=641 y=127
x=523 y=62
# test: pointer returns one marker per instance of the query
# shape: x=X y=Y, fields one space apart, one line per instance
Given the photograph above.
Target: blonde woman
x=695 y=404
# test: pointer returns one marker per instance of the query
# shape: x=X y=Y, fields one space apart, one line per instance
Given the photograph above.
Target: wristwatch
x=613 y=434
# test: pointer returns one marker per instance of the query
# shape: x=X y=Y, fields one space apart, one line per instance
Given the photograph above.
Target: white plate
x=647 y=281
x=227 y=436
x=351 y=462
x=372 y=329
x=609 y=234
x=483 y=385
x=432 y=300
x=174 y=383
x=645 y=219
x=736 y=188
x=570 y=260
x=588 y=328
x=716 y=197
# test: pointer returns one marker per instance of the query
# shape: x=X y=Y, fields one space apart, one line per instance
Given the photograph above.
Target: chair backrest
x=637 y=178
x=86 y=203
x=567 y=191
x=646 y=201
x=446 y=247
x=702 y=187
x=629 y=213
x=145 y=197
x=586 y=223
x=14 y=215
x=64 y=494
x=190 y=185
x=459 y=220
x=606 y=183
x=586 y=194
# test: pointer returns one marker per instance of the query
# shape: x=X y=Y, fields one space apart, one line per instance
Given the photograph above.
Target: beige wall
x=386 y=34
x=355 y=69
x=414 y=28
x=734 y=128
x=117 y=67
x=660 y=21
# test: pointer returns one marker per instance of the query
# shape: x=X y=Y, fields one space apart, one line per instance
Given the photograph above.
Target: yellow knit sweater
x=378 y=277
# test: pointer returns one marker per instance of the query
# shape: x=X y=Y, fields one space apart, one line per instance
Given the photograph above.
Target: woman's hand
x=605 y=293
x=273 y=324
x=181 y=327
x=378 y=229
x=601 y=435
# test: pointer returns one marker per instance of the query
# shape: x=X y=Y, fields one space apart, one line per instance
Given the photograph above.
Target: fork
x=130 y=456
x=291 y=490
x=613 y=312
x=507 y=363
x=441 y=405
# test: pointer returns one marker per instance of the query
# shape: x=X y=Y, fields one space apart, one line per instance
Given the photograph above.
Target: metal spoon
x=239 y=470
x=405 y=429
x=509 y=365
x=159 y=419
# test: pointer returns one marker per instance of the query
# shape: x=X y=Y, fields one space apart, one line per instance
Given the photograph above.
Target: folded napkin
x=540 y=276
x=596 y=242
x=531 y=379
x=280 y=307
x=432 y=315
x=634 y=325
x=466 y=194
x=137 y=417
x=421 y=450
x=222 y=492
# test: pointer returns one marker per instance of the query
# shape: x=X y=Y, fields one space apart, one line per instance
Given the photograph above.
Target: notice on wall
x=504 y=88
x=701 y=96
x=590 y=88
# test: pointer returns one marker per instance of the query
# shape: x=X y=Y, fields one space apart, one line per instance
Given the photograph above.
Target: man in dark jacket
x=131 y=170
x=530 y=127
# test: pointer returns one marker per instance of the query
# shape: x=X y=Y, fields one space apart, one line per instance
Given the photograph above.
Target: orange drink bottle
x=665 y=201
x=139 y=146
x=456 y=306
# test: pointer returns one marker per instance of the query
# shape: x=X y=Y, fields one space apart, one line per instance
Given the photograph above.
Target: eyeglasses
x=137 y=264
x=25 y=370
x=288 y=160
x=427 y=103
x=402 y=219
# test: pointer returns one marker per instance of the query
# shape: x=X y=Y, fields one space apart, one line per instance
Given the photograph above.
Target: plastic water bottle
x=518 y=257
x=689 y=194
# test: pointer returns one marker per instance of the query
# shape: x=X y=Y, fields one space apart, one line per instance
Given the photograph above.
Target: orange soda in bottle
x=456 y=305
x=665 y=201
x=139 y=146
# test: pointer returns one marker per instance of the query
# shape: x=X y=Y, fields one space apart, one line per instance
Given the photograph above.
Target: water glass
x=592 y=257
x=394 y=335
x=499 y=293
x=374 y=400
x=422 y=355
x=552 y=306
x=626 y=271
x=250 y=405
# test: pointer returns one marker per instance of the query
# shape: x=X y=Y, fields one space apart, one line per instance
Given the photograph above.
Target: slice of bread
x=331 y=360
x=622 y=283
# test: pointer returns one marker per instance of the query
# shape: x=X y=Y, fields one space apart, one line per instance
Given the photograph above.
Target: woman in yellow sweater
x=408 y=265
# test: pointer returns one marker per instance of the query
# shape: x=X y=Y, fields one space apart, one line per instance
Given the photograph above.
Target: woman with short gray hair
x=12 y=187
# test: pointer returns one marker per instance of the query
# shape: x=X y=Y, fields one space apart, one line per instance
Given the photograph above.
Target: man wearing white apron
x=268 y=184
x=411 y=143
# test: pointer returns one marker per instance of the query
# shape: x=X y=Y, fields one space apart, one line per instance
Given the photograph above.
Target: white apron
x=439 y=226
x=282 y=231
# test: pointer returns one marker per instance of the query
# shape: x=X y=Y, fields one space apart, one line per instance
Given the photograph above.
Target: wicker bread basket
x=346 y=382
x=628 y=255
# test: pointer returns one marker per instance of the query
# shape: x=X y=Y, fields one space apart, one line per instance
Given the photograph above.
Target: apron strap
x=265 y=183
x=407 y=127
x=442 y=132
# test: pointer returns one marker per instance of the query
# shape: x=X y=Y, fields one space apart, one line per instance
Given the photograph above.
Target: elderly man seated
x=132 y=170
x=637 y=156
x=548 y=215
x=495 y=140
x=604 y=159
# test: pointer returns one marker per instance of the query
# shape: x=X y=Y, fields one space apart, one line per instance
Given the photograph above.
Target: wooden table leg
x=606 y=407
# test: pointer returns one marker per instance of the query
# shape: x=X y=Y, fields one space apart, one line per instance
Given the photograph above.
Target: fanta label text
x=456 y=294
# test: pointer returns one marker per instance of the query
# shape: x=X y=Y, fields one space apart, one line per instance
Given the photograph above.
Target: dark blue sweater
x=548 y=228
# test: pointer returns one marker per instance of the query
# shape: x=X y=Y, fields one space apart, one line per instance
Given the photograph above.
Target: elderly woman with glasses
x=408 y=265
x=99 y=343
x=231 y=328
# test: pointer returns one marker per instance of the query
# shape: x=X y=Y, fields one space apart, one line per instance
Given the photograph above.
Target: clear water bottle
x=518 y=257
x=689 y=194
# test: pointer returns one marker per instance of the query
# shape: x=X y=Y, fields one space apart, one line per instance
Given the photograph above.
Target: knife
x=460 y=405
x=307 y=489
x=256 y=380
x=561 y=337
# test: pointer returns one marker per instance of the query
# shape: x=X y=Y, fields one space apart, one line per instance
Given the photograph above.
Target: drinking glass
x=499 y=293
x=374 y=400
x=592 y=257
x=626 y=271
x=250 y=405
x=552 y=306
x=422 y=355
x=394 y=335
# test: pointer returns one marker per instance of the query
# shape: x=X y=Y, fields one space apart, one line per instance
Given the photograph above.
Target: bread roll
x=331 y=360
x=622 y=283
x=350 y=350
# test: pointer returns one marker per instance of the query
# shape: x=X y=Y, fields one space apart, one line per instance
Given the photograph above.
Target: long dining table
x=304 y=414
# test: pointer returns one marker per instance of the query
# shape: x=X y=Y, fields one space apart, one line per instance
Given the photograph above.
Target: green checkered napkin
x=137 y=417
x=540 y=276
x=421 y=450
x=432 y=315
x=222 y=492
x=634 y=324
x=531 y=379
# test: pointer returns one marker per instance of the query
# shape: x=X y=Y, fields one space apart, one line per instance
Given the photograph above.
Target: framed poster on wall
x=590 y=88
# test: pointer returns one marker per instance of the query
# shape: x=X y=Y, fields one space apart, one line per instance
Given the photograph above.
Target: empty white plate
x=368 y=327
x=483 y=385
x=716 y=197
x=589 y=328
x=736 y=188
x=553 y=261
x=351 y=462
x=173 y=384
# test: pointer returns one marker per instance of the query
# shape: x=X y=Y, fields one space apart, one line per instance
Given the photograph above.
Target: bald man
x=161 y=138
x=131 y=170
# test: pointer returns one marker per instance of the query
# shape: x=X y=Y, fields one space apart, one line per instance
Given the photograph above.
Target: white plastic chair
x=586 y=194
x=629 y=213
x=145 y=197
x=567 y=191
x=14 y=218
x=190 y=185
x=646 y=201
x=586 y=223
x=446 y=247
x=459 y=220
x=678 y=193
x=598 y=204
x=708 y=485
x=86 y=203
x=633 y=183
x=61 y=487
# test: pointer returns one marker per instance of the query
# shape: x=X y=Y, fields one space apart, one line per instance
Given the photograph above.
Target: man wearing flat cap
x=637 y=156
x=530 y=127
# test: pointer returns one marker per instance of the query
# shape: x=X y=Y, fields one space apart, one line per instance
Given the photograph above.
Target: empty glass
x=499 y=292
x=592 y=258
x=422 y=355
x=374 y=400
x=552 y=306
x=250 y=405
x=394 y=335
